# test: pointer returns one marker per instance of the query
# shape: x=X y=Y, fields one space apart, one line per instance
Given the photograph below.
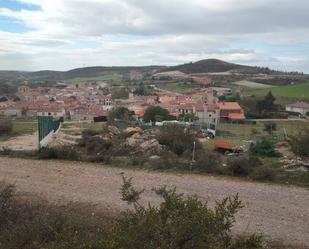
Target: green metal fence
x=46 y=125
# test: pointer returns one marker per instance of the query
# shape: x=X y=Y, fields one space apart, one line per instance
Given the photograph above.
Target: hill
x=217 y=66
x=199 y=67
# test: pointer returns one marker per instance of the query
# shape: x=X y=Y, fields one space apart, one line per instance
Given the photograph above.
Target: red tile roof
x=237 y=116
x=229 y=106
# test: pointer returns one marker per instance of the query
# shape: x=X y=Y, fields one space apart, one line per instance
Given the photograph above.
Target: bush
x=264 y=147
x=167 y=160
x=263 y=173
x=177 y=139
x=60 y=152
x=242 y=165
x=300 y=143
x=6 y=126
x=209 y=163
x=179 y=222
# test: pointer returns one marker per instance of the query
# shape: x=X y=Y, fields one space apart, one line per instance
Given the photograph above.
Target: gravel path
x=279 y=212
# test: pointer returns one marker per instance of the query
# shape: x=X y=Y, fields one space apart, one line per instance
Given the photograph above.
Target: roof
x=202 y=80
x=212 y=107
x=229 y=106
x=300 y=104
x=237 y=116
x=222 y=144
x=199 y=107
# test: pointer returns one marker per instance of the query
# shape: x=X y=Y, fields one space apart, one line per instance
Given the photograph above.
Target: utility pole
x=193 y=153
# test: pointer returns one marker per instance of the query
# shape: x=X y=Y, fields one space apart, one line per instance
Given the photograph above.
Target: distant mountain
x=75 y=73
x=217 y=66
x=199 y=67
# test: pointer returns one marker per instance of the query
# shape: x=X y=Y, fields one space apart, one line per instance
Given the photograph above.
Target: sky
x=65 y=34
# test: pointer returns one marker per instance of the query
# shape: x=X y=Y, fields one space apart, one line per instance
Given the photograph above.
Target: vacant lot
x=296 y=92
x=251 y=84
x=279 y=212
x=20 y=128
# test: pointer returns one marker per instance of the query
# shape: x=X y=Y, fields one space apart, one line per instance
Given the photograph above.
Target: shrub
x=179 y=222
x=6 y=126
x=242 y=165
x=264 y=147
x=299 y=143
x=177 y=139
x=167 y=160
x=263 y=173
x=60 y=152
x=209 y=163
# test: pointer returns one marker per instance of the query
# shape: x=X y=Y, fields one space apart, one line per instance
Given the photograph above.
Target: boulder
x=133 y=130
x=113 y=130
x=144 y=144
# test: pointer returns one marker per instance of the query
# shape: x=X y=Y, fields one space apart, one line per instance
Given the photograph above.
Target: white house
x=298 y=107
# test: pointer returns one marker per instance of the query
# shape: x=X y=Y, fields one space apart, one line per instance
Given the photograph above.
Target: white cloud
x=156 y=32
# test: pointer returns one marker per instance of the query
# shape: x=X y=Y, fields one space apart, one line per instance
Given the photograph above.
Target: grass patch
x=20 y=128
x=295 y=92
x=107 y=77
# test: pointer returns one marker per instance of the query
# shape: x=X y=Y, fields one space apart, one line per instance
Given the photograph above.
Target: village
x=88 y=103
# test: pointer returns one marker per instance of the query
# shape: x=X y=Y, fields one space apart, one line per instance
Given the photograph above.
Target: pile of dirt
x=144 y=144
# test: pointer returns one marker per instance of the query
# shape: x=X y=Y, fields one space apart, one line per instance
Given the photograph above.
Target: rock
x=144 y=144
x=113 y=130
x=133 y=130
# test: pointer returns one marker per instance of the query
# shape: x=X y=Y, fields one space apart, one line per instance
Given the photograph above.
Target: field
x=251 y=84
x=180 y=87
x=242 y=134
x=107 y=77
x=20 y=128
x=292 y=92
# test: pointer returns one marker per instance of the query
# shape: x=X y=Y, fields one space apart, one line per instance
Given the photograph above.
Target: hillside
x=199 y=67
x=217 y=66
x=75 y=73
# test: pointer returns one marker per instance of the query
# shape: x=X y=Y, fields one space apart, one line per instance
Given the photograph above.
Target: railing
x=47 y=127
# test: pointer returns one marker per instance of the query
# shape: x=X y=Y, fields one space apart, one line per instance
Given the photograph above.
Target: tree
x=188 y=117
x=121 y=113
x=156 y=114
x=121 y=93
x=264 y=147
x=267 y=104
x=3 y=99
x=142 y=90
x=179 y=222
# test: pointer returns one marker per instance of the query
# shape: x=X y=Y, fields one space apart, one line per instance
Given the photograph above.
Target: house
x=206 y=113
x=231 y=111
x=298 y=107
x=54 y=110
x=28 y=94
x=88 y=113
x=202 y=81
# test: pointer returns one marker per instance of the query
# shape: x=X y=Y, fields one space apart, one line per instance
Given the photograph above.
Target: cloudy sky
x=65 y=34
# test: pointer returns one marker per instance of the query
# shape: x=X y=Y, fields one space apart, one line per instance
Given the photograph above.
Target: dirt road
x=277 y=211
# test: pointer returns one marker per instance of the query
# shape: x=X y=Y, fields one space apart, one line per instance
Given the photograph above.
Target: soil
x=279 y=212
